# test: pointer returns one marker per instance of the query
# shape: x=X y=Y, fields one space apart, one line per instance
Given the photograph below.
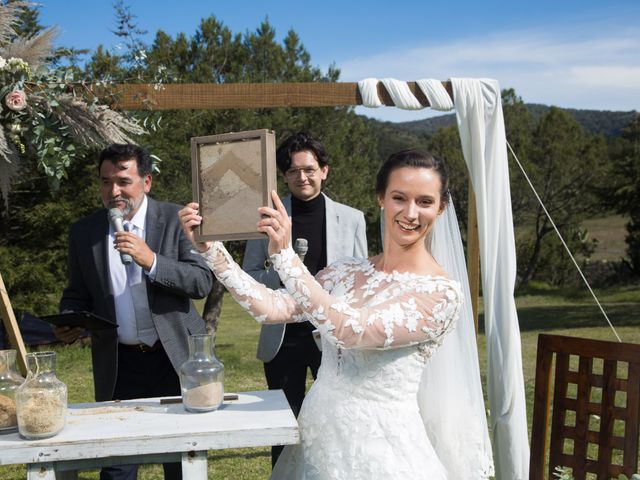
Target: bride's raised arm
x=262 y=303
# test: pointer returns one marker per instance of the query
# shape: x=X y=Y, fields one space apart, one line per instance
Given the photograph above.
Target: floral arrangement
x=13 y=73
x=47 y=111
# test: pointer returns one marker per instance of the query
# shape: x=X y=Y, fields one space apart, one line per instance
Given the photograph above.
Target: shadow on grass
x=575 y=316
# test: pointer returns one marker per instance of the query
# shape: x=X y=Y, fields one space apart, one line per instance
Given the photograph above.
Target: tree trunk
x=531 y=264
x=213 y=307
x=534 y=257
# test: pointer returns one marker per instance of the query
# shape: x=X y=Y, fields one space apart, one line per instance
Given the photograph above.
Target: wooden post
x=10 y=324
x=473 y=254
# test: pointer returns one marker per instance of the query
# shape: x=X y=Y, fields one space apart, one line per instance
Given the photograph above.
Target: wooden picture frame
x=233 y=175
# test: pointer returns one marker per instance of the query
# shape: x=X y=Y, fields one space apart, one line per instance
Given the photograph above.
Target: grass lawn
x=609 y=232
x=567 y=313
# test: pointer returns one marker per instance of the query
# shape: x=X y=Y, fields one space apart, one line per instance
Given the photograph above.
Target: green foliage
x=519 y=126
x=33 y=242
x=28 y=25
x=564 y=162
x=623 y=192
x=446 y=144
x=554 y=264
x=29 y=274
x=603 y=122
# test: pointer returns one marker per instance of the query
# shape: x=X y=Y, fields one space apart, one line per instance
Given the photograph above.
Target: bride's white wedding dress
x=360 y=420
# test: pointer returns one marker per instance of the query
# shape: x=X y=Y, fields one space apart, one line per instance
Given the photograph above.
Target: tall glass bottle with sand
x=202 y=376
x=41 y=401
x=10 y=380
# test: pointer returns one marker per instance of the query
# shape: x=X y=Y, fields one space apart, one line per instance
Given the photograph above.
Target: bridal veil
x=450 y=395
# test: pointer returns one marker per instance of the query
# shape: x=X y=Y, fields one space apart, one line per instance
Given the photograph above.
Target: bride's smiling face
x=411 y=203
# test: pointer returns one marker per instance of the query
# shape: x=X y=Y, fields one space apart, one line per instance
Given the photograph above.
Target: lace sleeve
x=420 y=310
x=262 y=303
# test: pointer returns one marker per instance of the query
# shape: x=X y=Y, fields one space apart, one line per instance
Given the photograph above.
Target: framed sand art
x=233 y=174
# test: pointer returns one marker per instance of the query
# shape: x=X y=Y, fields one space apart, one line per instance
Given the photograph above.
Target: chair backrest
x=596 y=408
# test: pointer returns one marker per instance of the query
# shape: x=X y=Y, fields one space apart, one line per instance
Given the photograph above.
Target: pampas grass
x=35 y=51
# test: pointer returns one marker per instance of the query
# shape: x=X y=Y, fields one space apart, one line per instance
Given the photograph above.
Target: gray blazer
x=346 y=237
x=180 y=276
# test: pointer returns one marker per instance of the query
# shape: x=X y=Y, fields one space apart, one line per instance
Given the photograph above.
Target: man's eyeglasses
x=309 y=172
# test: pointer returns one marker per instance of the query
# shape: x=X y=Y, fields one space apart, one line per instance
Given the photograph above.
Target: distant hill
x=606 y=122
x=393 y=137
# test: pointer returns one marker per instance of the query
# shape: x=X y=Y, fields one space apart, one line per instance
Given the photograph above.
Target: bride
x=380 y=321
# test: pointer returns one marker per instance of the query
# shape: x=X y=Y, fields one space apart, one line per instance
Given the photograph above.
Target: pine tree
x=623 y=193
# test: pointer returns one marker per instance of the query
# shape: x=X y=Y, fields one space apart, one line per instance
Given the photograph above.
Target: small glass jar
x=202 y=376
x=41 y=400
x=10 y=380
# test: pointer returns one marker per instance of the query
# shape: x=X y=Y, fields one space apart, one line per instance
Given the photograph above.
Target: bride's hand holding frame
x=276 y=223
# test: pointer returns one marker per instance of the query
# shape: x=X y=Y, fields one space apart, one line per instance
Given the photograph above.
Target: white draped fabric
x=481 y=126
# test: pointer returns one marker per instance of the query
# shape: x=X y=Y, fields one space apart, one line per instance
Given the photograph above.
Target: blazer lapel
x=332 y=219
x=155 y=225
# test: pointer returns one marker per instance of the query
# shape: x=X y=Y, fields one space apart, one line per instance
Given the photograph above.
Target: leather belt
x=142 y=347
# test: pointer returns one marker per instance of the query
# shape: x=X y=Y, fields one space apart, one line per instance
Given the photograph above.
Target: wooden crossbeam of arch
x=203 y=96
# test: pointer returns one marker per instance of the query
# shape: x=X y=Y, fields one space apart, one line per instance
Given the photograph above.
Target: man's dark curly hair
x=300 y=142
x=119 y=152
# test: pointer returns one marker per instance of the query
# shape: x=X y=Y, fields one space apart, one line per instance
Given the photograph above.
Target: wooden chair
x=596 y=408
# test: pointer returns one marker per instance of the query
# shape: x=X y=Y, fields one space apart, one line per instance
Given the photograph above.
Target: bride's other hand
x=276 y=223
x=190 y=220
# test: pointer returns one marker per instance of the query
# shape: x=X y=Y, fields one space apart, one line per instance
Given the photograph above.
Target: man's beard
x=128 y=205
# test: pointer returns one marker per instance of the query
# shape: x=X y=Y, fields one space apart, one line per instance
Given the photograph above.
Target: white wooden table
x=144 y=431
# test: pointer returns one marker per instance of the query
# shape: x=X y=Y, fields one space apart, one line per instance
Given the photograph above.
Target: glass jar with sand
x=41 y=401
x=202 y=376
x=10 y=380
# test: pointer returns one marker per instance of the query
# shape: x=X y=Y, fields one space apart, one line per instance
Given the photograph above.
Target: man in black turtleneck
x=333 y=231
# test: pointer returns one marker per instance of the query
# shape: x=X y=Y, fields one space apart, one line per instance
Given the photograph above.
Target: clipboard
x=83 y=319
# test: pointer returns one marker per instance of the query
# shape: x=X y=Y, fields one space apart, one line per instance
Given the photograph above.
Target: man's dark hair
x=300 y=142
x=120 y=152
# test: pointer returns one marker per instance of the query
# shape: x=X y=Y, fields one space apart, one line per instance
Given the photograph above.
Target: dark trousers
x=143 y=375
x=288 y=371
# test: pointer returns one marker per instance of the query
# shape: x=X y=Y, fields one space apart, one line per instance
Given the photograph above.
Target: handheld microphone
x=301 y=247
x=115 y=219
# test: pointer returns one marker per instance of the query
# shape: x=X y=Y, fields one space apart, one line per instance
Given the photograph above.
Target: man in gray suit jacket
x=148 y=300
x=333 y=231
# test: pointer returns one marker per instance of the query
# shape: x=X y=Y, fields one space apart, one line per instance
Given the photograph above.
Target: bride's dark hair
x=415 y=159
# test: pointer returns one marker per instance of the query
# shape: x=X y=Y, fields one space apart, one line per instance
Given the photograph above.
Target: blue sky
x=569 y=53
